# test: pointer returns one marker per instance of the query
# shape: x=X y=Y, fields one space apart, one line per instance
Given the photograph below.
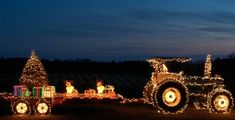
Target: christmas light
x=20 y=106
x=181 y=97
x=212 y=89
x=171 y=97
x=168 y=92
x=207 y=67
x=109 y=88
x=70 y=90
x=220 y=101
x=100 y=87
x=43 y=107
x=34 y=73
x=159 y=66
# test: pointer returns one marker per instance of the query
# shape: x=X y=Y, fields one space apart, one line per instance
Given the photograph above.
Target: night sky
x=116 y=29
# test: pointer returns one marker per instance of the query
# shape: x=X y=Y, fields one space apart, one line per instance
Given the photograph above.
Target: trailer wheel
x=220 y=101
x=21 y=107
x=171 y=96
x=42 y=107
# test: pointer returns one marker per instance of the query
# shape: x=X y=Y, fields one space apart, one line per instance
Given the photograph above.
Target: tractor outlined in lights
x=171 y=92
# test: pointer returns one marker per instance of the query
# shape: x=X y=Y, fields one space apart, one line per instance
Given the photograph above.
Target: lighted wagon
x=171 y=92
x=34 y=95
x=24 y=102
x=41 y=100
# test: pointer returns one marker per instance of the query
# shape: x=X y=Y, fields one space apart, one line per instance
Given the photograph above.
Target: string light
x=70 y=90
x=34 y=73
x=218 y=99
x=158 y=105
x=20 y=106
x=43 y=107
x=100 y=87
x=168 y=92
x=208 y=66
x=158 y=63
x=171 y=97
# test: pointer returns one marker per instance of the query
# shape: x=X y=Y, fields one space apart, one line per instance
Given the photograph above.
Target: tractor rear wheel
x=170 y=96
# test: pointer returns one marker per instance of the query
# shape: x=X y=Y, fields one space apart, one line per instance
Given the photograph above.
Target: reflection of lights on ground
x=42 y=108
x=171 y=97
x=221 y=102
x=21 y=108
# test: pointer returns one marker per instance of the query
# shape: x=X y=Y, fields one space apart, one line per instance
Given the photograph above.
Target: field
x=128 y=85
x=95 y=111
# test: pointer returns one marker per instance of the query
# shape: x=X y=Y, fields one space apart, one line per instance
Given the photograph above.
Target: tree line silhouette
x=11 y=68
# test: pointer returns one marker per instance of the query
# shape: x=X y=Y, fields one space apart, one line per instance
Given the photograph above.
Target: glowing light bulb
x=42 y=108
x=21 y=108
x=221 y=103
x=69 y=89
x=171 y=97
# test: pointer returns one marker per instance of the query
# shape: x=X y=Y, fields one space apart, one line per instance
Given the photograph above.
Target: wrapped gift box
x=21 y=91
x=109 y=89
x=111 y=95
x=49 y=91
x=38 y=92
x=90 y=92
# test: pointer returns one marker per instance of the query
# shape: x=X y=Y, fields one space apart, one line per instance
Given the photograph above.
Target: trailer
x=43 y=105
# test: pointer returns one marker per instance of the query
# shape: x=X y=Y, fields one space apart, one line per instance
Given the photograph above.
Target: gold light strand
x=159 y=63
x=207 y=67
x=214 y=93
x=43 y=107
x=155 y=102
x=216 y=85
x=34 y=73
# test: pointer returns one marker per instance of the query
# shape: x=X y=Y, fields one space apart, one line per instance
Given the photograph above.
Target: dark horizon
x=120 y=59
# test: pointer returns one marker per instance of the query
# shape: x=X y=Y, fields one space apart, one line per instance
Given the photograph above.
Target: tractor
x=170 y=93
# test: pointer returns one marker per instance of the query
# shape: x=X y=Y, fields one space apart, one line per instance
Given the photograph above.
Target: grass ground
x=114 y=111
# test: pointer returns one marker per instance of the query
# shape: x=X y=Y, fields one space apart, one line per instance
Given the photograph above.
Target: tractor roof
x=168 y=59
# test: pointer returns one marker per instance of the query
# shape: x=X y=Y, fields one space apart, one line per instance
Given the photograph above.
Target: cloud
x=223 y=17
x=218 y=29
x=165 y=17
x=95 y=26
x=217 y=21
x=222 y=39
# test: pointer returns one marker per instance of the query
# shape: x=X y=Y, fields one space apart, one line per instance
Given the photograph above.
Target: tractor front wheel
x=220 y=101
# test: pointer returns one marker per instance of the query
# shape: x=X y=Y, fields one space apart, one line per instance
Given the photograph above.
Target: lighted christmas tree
x=208 y=65
x=34 y=73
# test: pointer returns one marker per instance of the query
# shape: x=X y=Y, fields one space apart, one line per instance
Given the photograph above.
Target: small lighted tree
x=208 y=65
x=34 y=73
